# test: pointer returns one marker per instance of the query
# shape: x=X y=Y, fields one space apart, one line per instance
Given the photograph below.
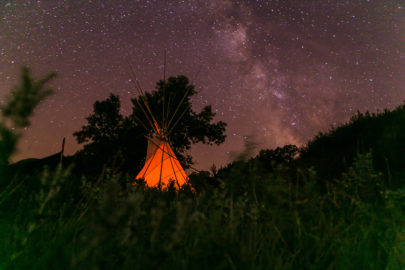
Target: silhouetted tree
x=120 y=141
x=104 y=124
x=102 y=133
x=281 y=155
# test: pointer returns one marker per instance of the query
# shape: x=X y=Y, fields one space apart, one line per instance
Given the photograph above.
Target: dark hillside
x=383 y=134
x=333 y=153
x=35 y=165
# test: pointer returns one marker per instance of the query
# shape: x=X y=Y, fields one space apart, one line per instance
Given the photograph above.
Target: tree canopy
x=120 y=141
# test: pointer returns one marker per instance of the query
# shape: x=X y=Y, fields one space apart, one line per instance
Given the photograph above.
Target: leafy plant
x=17 y=110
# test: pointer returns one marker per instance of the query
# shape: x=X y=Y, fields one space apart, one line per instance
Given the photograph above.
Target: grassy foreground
x=56 y=221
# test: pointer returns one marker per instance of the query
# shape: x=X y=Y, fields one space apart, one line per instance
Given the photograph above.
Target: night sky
x=277 y=72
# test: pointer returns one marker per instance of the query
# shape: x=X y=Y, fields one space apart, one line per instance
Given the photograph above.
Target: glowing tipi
x=161 y=164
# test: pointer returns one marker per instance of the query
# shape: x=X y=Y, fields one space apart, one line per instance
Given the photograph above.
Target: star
x=282 y=71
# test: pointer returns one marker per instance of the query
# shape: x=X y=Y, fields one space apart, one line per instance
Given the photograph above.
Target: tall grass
x=282 y=226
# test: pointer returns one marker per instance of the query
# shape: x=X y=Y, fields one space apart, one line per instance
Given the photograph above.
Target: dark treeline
x=113 y=141
x=380 y=136
x=337 y=203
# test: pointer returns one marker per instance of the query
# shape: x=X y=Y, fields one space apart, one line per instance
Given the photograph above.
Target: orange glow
x=161 y=165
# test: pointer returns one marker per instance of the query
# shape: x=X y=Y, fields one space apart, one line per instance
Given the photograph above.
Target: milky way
x=278 y=72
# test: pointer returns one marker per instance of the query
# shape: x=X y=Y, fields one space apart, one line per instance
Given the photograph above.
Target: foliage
x=362 y=182
x=187 y=126
x=381 y=133
x=104 y=124
x=267 y=212
x=121 y=141
x=15 y=113
x=25 y=97
x=277 y=225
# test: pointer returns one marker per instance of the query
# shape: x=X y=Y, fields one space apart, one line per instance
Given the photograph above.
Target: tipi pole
x=177 y=121
x=178 y=107
x=140 y=121
x=142 y=96
x=161 y=165
x=142 y=109
x=170 y=155
x=164 y=92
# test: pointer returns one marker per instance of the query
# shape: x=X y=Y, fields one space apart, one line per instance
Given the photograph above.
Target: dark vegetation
x=337 y=203
x=119 y=142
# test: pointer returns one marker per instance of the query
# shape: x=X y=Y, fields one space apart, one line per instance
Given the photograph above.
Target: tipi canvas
x=161 y=165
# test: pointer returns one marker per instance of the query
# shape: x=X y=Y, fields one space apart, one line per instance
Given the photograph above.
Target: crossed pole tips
x=170 y=166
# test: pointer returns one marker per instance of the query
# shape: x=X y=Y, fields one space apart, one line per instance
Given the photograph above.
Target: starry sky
x=278 y=72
